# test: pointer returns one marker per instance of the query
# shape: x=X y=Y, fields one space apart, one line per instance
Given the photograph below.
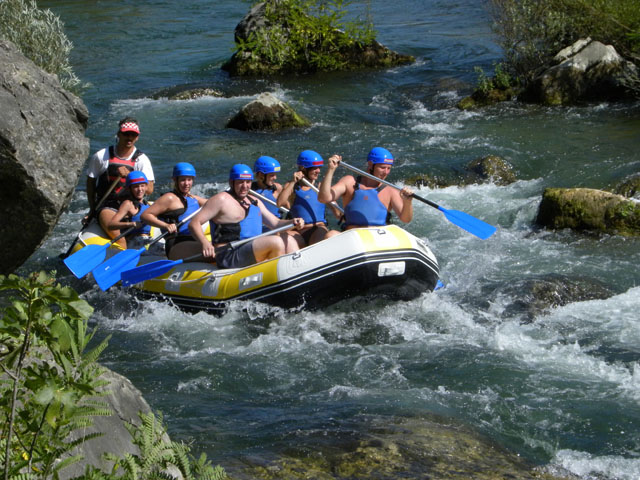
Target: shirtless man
x=233 y=215
x=367 y=202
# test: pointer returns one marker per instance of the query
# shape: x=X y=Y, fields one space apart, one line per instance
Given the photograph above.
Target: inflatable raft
x=377 y=261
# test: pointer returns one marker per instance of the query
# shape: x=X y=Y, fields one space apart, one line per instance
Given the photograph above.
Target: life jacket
x=248 y=227
x=365 y=208
x=111 y=174
x=190 y=205
x=268 y=193
x=307 y=206
x=145 y=229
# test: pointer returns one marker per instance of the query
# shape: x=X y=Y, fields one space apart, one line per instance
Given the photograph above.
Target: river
x=560 y=387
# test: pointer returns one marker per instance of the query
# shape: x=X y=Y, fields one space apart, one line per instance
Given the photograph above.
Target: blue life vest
x=268 y=193
x=365 y=208
x=190 y=205
x=249 y=226
x=145 y=229
x=307 y=206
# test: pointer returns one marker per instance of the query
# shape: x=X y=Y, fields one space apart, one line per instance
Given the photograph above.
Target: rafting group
x=120 y=177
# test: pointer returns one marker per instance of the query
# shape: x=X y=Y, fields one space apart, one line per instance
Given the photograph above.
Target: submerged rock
x=267 y=113
x=42 y=152
x=537 y=295
x=585 y=71
x=266 y=31
x=586 y=209
x=392 y=448
x=629 y=187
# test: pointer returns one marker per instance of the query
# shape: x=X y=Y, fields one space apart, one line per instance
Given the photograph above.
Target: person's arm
x=271 y=221
x=285 y=199
x=126 y=210
x=206 y=213
x=91 y=193
x=163 y=204
x=326 y=192
x=402 y=204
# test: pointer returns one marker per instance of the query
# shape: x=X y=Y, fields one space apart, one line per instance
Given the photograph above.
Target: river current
x=560 y=387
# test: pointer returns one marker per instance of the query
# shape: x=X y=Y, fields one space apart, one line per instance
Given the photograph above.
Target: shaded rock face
x=392 y=448
x=350 y=56
x=42 y=152
x=588 y=209
x=266 y=113
x=586 y=71
x=127 y=402
x=630 y=187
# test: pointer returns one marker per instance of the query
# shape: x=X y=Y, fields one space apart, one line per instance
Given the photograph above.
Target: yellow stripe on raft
x=394 y=238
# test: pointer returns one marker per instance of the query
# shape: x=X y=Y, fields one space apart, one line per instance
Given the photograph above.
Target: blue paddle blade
x=148 y=271
x=469 y=223
x=85 y=260
x=108 y=273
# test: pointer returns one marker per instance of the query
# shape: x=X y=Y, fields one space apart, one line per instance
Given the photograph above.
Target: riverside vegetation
x=50 y=390
x=531 y=32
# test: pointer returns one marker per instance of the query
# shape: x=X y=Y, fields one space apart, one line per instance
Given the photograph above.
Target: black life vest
x=109 y=176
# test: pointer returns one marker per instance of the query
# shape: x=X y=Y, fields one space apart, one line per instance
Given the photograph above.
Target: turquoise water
x=561 y=388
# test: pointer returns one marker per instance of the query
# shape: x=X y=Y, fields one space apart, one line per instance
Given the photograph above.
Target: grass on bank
x=39 y=34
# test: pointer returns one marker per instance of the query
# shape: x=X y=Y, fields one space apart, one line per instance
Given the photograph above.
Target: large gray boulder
x=42 y=152
x=585 y=71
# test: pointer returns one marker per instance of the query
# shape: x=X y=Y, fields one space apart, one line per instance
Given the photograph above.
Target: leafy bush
x=307 y=34
x=39 y=34
x=531 y=32
x=49 y=385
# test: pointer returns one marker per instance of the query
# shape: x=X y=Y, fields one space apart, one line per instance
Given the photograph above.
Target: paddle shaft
x=186 y=219
x=384 y=182
x=91 y=214
x=315 y=189
x=268 y=200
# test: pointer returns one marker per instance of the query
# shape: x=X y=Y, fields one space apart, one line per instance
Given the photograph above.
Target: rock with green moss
x=267 y=113
x=391 y=448
x=585 y=209
x=282 y=37
x=494 y=169
x=486 y=97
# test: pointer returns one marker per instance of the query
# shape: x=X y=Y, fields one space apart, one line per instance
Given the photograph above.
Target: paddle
x=268 y=200
x=463 y=220
x=108 y=273
x=85 y=260
x=90 y=217
x=155 y=269
x=315 y=189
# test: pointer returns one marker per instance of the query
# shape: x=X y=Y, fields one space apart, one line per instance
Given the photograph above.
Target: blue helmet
x=380 y=155
x=240 y=171
x=310 y=159
x=184 y=169
x=136 y=177
x=266 y=164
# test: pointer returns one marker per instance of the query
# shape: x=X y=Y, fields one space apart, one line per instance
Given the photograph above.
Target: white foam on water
x=593 y=467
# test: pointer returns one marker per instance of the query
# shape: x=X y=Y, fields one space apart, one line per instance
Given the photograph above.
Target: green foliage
x=50 y=388
x=39 y=34
x=307 y=35
x=501 y=79
x=531 y=32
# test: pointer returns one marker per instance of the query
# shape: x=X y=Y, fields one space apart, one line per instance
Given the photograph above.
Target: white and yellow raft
x=378 y=261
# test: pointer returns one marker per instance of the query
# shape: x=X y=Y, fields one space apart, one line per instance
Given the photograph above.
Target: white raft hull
x=378 y=261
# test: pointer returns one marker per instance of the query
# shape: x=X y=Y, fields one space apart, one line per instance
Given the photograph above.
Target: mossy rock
x=484 y=98
x=493 y=168
x=267 y=113
x=585 y=209
x=391 y=448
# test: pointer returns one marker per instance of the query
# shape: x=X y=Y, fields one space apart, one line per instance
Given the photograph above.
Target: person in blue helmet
x=265 y=171
x=367 y=202
x=234 y=215
x=130 y=211
x=302 y=200
x=171 y=208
